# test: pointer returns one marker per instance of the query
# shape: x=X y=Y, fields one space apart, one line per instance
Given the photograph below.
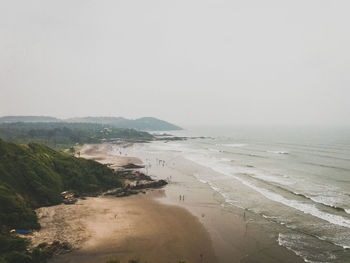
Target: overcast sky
x=190 y=62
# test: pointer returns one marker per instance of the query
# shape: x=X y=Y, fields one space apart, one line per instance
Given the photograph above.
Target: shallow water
x=299 y=180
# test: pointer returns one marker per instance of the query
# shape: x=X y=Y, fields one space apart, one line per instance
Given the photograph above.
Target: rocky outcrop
x=132 y=166
x=151 y=184
x=137 y=186
x=134 y=175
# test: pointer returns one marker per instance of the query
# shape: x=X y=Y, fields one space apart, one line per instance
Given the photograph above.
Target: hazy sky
x=188 y=62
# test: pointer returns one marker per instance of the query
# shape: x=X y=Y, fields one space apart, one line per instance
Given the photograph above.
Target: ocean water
x=297 y=179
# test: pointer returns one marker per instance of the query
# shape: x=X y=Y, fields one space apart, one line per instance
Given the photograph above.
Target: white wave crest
x=301 y=206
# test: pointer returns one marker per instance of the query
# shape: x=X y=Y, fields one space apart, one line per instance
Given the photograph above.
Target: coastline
x=134 y=227
x=237 y=235
x=165 y=231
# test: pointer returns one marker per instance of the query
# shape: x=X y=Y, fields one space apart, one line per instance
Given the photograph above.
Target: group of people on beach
x=182 y=197
x=160 y=162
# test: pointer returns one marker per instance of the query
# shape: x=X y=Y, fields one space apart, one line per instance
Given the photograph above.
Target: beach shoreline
x=237 y=234
x=170 y=225
x=134 y=227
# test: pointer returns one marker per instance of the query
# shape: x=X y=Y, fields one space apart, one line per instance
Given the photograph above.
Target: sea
x=298 y=179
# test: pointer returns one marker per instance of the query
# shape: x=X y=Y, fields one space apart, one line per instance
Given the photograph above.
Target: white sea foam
x=292 y=242
x=343 y=246
x=330 y=199
x=303 y=207
x=202 y=158
x=278 y=152
x=272 y=178
x=213 y=150
x=206 y=157
x=203 y=181
x=248 y=170
x=235 y=144
x=218 y=190
x=325 y=200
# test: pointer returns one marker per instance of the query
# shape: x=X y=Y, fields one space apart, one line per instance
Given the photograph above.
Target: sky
x=190 y=62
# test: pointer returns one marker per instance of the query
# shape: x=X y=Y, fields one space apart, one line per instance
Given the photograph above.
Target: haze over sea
x=296 y=179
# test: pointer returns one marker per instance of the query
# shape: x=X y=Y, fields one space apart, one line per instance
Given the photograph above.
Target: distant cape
x=145 y=123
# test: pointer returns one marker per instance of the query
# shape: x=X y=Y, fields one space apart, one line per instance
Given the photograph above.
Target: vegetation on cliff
x=61 y=135
x=142 y=124
x=34 y=175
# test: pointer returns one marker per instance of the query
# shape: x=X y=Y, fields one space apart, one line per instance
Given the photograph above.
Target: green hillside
x=61 y=135
x=34 y=175
x=28 y=119
x=141 y=124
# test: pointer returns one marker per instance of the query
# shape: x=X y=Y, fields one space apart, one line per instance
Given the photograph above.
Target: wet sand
x=136 y=227
x=237 y=235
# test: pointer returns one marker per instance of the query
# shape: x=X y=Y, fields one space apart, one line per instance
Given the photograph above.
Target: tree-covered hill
x=62 y=134
x=28 y=119
x=34 y=175
x=141 y=124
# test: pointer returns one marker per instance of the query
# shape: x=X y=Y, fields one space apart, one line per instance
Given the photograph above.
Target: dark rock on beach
x=137 y=188
x=152 y=184
x=132 y=166
x=131 y=175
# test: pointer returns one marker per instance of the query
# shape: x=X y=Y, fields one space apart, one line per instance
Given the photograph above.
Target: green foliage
x=28 y=119
x=144 y=124
x=17 y=257
x=41 y=254
x=13 y=249
x=34 y=175
x=12 y=243
x=63 y=135
x=15 y=211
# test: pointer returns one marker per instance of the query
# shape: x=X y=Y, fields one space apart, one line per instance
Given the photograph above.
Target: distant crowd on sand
x=148 y=165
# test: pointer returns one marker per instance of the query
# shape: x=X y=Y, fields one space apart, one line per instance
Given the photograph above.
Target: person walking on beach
x=180 y=197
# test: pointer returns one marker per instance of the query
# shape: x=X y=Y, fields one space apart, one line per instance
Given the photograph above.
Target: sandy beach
x=101 y=153
x=136 y=227
x=157 y=226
